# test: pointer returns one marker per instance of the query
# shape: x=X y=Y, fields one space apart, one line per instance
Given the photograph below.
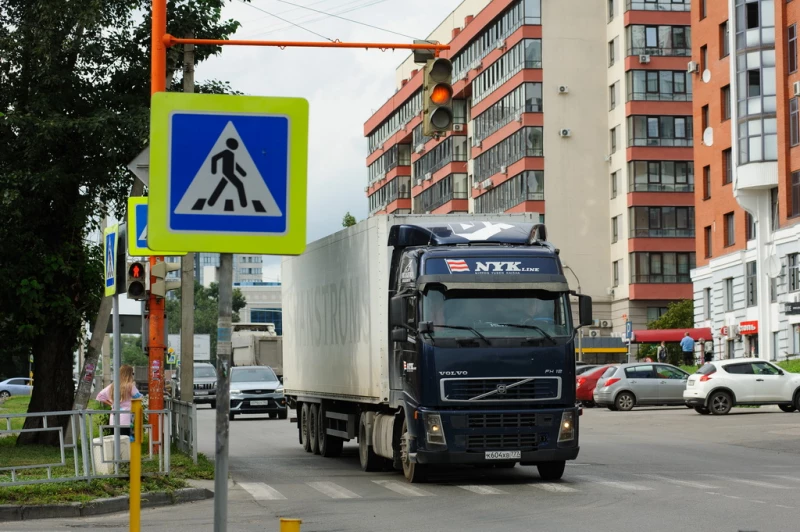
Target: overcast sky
x=344 y=87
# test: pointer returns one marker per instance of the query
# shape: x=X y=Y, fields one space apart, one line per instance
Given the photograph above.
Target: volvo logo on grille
x=501 y=389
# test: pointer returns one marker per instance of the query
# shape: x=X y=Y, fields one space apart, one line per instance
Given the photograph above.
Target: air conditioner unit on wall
x=420 y=148
x=487 y=184
x=644 y=59
x=692 y=67
x=504 y=169
x=563 y=89
x=796 y=88
x=458 y=128
x=501 y=44
x=594 y=334
x=565 y=132
x=605 y=324
x=428 y=176
x=419 y=182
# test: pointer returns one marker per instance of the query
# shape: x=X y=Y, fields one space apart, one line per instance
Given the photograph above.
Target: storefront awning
x=654 y=336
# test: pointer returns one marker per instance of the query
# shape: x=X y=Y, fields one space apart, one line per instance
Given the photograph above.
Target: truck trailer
x=257 y=344
x=434 y=341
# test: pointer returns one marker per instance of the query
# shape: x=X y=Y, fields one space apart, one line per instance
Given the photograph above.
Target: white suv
x=718 y=386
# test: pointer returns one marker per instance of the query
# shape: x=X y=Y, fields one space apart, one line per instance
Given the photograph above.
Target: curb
x=11 y=512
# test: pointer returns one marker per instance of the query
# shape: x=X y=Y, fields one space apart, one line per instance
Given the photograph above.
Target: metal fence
x=184 y=426
x=91 y=453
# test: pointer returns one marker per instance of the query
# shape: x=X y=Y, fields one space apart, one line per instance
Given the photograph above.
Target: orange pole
x=155 y=374
x=169 y=41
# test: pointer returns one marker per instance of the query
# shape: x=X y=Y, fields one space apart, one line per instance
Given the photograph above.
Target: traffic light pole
x=155 y=376
x=115 y=375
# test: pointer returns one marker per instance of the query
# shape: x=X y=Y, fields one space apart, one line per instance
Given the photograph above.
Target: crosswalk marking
x=483 y=490
x=786 y=477
x=334 y=491
x=627 y=486
x=262 y=492
x=553 y=487
x=757 y=483
x=677 y=482
x=402 y=489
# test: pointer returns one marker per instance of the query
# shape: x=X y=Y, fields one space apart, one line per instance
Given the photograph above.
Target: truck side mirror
x=585 y=310
x=398 y=312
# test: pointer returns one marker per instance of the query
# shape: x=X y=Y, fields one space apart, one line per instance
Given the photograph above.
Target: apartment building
x=580 y=111
x=747 y=281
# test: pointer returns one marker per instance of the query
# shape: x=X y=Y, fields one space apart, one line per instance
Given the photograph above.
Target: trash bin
x=107 y=467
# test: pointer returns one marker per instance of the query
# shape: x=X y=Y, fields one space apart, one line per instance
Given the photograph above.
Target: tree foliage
x=206 y=312
x=75 y=80
x=679 y=315
x=348 y=220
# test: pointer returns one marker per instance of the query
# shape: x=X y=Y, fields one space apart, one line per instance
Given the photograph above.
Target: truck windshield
x=498 y=313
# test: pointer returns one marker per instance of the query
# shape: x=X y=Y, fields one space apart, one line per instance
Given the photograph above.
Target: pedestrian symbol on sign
x=228 y=162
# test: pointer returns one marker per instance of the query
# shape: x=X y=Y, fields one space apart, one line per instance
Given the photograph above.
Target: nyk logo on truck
x=460 y=265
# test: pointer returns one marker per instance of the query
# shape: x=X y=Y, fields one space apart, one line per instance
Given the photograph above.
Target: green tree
x=348 y=220
x=75 y=80
x=206 y=312
x=679 y=315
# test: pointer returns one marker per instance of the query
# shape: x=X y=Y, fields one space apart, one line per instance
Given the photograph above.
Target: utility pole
x=187 y=271
x=223 y=391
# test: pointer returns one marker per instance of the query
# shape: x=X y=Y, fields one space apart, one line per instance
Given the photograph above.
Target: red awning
x=655 y=336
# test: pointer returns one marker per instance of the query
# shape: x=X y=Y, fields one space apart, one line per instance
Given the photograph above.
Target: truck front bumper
x=528 y=457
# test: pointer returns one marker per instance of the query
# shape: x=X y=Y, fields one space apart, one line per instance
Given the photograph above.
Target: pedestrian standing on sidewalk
x=687 y=347
x=708 y=352
x=662 y=352
x=127 y=391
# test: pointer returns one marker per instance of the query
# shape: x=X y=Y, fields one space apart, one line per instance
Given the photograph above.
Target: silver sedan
x=641 y=384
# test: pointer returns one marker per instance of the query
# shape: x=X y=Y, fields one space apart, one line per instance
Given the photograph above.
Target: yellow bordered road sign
x=228 y=174
x=137 y=231
x=110 y=242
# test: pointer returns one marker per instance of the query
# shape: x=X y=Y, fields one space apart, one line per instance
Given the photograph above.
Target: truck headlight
x=566 y=432
x=434 y=432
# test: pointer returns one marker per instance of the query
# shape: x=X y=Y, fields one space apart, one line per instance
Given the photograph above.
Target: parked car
x=205 y=384
x=641 y=384
x=257 y=390
x=580 y=370
x=719 y=386
x=18 y=386
x=585 y=384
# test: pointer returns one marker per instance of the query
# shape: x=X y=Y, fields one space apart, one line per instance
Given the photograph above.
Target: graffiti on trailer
x=332 y=314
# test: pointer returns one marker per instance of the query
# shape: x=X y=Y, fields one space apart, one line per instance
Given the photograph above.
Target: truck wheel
x=551 y=470
x=369 y=460
x=284 y=414
x=329 y=446
x=313 y=417
x=414 y=473
x=305 y=441
x=231 y=416
x=213 y=405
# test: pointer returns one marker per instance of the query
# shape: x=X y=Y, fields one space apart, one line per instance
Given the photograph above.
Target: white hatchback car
x=720 y=385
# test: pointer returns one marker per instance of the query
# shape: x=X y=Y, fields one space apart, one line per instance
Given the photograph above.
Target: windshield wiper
x=464 y=328
x=534 y=327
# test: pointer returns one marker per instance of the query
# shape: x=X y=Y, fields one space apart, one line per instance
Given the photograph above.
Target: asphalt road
x=656 y=469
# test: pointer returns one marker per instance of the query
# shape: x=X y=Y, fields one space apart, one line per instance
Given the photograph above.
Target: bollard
x=137 y=435
x=290 y=525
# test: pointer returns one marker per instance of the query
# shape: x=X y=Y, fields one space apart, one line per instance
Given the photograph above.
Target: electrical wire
x=348 y=7
x=346 y=19
x=283 y=19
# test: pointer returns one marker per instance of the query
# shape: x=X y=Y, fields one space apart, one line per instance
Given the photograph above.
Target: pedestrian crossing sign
x=228 y=174
x=137 y=231
x=110 y=259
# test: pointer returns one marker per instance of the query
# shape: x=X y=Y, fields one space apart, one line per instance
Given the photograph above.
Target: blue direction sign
x=137 y=233
x=228 y=174
x=628 y=330
x=110 y=259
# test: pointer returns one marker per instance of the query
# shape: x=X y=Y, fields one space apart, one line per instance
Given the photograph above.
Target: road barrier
x=91 y=455
x=184 y=426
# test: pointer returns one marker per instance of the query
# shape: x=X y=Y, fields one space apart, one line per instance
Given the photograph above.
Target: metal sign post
x=110 y=243
x=224 y=349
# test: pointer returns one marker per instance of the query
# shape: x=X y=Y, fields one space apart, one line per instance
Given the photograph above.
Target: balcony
x=661 y=279
x=421 y=206
x=662 y=233
x=658 y=5
x=660 y=142
x=659 y=97
x=659 y=52
x=661 y=187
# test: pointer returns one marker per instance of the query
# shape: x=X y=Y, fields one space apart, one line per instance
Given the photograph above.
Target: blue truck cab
x=483 y=347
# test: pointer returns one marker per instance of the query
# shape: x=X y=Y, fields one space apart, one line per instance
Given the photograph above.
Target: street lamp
x=580 y=333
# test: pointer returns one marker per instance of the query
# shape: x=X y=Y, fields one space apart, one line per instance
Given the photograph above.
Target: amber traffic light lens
x=441 y=94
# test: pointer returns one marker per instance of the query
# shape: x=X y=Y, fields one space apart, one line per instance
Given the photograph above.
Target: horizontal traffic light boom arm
x=169 y=41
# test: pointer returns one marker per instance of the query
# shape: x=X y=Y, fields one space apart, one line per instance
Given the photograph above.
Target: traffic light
x=136 y=280
x=162 y=285
x=437 y=97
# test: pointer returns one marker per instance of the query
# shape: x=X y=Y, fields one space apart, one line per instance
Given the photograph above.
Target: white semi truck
x=257 y=344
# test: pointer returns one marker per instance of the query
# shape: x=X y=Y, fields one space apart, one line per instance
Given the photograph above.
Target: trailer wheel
x=305 y=441
x=313 y=418
x=369 y=460
x=329 y=446
x=414 y=473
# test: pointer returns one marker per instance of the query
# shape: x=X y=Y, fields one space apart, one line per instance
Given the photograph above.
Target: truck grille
x=493 y=442
x=501 y=389
x=505 y=421
x=204 y=386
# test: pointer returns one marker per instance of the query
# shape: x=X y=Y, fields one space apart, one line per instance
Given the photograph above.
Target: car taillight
x=611 y=381
x=581 y=380
x=705 y=378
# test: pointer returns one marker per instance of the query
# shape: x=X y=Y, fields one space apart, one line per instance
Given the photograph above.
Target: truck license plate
x=259 y=403
x=503 y=455
x=201 y=393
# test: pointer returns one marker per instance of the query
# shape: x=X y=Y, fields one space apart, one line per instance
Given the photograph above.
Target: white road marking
x=785 y=477
x=758 y=483
x=402 y=489
x=782 y=506
x=483 y=490
x=677 y=482
x=334 y=491
x=262 y=492
x=627 y=486
x=553 y=487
